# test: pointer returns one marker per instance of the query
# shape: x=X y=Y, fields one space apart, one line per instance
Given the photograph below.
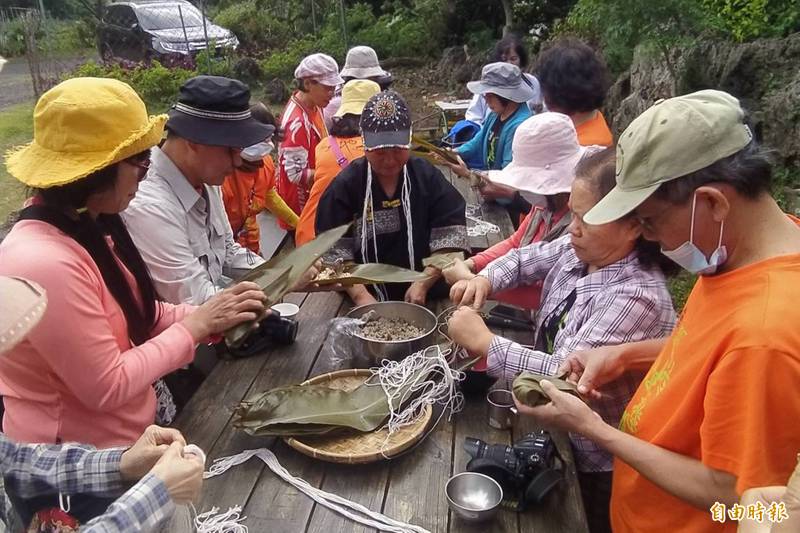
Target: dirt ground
x=422 y=87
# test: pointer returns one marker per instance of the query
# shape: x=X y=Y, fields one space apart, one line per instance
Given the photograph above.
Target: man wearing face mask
x=177 y=219
x=251 y=188
x=715 y=413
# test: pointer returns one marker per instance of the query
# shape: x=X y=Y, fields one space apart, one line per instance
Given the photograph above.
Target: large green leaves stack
x=318 y=409
x=279 y=275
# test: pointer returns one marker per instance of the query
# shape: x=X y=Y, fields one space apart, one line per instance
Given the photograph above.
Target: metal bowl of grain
x=396 y=329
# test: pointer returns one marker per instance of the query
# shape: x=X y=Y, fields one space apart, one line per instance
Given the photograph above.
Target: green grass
x=16 y=127
x=679 y=287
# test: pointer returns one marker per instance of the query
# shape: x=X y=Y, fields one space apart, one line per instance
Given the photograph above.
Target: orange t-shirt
x=327 y=168
x=594 y=131
x=245 y=196
x=724 y=390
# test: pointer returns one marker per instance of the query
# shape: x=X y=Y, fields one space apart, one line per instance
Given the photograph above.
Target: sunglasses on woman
x=142 y=162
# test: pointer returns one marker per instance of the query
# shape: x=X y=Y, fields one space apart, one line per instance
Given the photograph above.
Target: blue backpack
x=461 y=132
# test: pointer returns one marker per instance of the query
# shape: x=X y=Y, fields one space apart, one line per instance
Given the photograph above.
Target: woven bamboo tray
x=358 y=448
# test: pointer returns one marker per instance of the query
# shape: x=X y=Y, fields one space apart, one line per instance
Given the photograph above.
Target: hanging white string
x=479 y=227
x=436 y=386
x=352 y=510
x=405 y=202
x=439 y=387
x=369 y=210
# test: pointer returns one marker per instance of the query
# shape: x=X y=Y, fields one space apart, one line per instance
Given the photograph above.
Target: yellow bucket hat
x=355 y=95
x=81 y=126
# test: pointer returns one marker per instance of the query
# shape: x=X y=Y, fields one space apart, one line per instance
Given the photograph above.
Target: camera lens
x=474 y=447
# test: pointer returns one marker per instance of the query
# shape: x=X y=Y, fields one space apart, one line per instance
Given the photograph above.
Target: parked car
x=158 y=29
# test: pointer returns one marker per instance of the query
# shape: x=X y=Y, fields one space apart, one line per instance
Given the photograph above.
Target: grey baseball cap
x=673 y=138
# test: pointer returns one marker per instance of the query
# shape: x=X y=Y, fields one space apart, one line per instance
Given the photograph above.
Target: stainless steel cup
x=502 y=412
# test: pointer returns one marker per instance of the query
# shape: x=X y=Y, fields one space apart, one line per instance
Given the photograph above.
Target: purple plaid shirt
x=618 y=303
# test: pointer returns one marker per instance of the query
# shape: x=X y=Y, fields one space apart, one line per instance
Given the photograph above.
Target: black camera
x=273 y=329
x=526 y=470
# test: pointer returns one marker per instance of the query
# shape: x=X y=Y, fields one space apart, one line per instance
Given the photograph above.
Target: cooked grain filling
x=390 y=329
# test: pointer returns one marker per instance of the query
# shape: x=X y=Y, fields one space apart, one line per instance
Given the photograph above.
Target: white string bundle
x=438 y=386
x=215 y=522
x=347 y=508
x=479 y=226
x=368 y=209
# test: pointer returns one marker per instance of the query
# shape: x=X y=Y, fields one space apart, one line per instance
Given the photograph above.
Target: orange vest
x=245 y=196
x=328 y=167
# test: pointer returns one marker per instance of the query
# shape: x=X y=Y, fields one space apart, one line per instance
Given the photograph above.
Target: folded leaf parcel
x=393 y=395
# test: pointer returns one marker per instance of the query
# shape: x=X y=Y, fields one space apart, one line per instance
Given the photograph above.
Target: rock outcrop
x=764 y=75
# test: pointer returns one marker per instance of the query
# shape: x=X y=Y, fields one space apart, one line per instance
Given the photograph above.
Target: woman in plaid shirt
x=603 y=285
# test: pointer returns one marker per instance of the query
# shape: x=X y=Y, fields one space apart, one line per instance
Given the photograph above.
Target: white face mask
x=257 y=152
x=691 y=258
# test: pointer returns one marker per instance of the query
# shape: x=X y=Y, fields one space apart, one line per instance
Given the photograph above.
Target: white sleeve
x=163 y=239
x=295 y=161
x=476 y=111
x=537 y=99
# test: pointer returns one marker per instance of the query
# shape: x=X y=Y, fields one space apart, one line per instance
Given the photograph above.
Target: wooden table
x=410 y=488
x=488 y=211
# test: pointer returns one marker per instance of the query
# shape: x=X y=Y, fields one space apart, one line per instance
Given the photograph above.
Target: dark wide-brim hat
x=215 y=111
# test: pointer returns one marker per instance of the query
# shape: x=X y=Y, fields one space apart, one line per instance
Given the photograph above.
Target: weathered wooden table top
x=489 y=212
x=409 y=488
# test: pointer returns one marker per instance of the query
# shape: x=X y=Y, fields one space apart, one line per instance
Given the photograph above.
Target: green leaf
x=318 y=409
x=279 y=275
x=528 y=390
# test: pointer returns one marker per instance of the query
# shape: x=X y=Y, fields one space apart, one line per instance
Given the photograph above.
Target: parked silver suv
x=158 y=29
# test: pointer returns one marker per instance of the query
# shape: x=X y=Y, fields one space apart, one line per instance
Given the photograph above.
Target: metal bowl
x=395 y=350
x=473 y=497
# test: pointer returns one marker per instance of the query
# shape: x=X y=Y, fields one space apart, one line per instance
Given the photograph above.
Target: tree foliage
x=745 y=20
x=281 y=31
x=281 y=38
x=618 y=26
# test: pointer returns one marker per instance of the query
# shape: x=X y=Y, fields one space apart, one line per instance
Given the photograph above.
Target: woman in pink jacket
x=545 y=151
x=86 y=373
